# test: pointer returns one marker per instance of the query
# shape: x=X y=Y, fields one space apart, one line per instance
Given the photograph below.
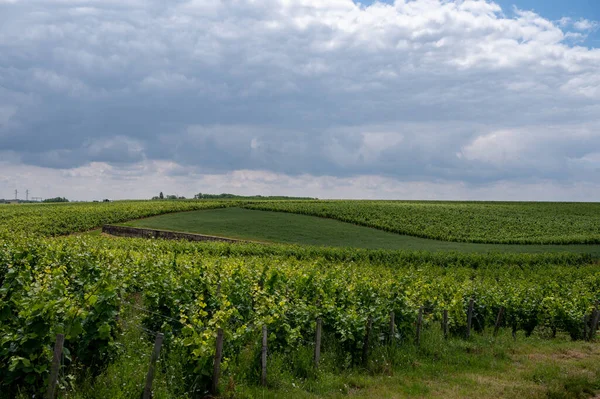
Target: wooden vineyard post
x=595 y=321
x=318 y=342
x=419 y=325
x=498 y=320
x=58 y=348
x=589 y=322
x=263 y=374
x=365 y=353
x=150 y=376
x=445 y=323
x=217 y=362
x=392 y=326
x=470 y=317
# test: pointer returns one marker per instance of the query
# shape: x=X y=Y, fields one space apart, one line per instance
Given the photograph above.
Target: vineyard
x=61 y=219
x=481 y=222
x=296 y=229
x=365 y=301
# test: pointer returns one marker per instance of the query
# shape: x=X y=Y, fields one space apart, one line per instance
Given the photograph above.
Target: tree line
x=162 y=196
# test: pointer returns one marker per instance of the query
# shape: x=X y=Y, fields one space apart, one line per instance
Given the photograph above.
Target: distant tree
x=161 y=196
x=57 y=199
x=172 y=197
x=233 y=196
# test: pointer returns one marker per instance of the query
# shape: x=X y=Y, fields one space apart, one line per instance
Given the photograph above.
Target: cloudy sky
x=415 y=99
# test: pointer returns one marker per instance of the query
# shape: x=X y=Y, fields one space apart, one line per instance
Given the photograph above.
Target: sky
x=410 y=99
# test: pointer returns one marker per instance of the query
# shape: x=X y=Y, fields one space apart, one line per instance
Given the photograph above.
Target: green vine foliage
x=75 y=285
x=483 y=222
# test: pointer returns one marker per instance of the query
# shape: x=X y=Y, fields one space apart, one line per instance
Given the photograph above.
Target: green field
x=483 y=222
x=289 y=228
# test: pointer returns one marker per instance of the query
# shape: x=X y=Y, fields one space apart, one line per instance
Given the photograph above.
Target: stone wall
x=125 y=231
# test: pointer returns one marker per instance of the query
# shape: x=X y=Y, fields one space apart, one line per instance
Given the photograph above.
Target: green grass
x=482 y=367
x=92 y=233
x=289 y=228
x=482 y=222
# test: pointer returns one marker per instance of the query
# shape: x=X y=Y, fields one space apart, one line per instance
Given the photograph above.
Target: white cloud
x=301 y=87
x=564 y=22
x=501 y=148
x=586 y=85
x=585 y=25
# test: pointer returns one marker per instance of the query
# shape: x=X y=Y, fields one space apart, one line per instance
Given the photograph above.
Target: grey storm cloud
x=417 y=90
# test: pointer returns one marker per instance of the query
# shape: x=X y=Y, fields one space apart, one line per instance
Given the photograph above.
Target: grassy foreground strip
x=289 y=228
x=483 y=222
x=482 y=367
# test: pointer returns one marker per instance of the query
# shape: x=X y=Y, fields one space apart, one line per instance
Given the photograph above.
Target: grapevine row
x=78 y=286
x=478 y=222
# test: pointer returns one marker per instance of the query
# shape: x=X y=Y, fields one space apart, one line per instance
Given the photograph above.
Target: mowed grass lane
x=289 y=228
